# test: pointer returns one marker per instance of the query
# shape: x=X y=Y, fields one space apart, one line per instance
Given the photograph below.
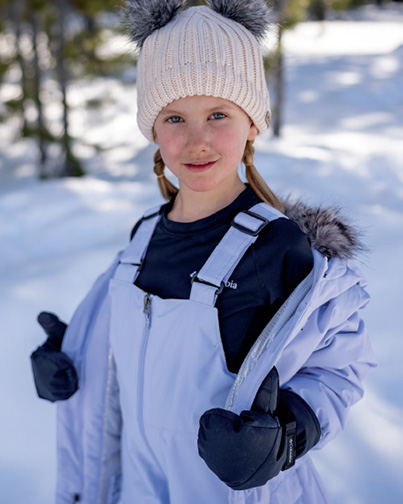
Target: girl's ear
x=253 y=133
x=143 y=17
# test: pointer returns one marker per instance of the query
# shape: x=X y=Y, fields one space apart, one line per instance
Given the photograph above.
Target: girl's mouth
x=200 y=167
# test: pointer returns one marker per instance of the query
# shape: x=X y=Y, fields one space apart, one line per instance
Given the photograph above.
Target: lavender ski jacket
x=317 y=341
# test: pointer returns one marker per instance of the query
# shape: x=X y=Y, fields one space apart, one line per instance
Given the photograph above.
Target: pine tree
x=34 y=24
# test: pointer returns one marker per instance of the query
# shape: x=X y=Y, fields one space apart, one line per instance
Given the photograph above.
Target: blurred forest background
x=46 y=46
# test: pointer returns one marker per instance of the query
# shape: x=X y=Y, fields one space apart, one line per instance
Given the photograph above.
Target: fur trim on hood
x=328 y=231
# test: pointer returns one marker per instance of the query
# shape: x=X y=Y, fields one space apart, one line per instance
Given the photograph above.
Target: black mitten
x=308 y=426
x=54 y=373
x=247 y=450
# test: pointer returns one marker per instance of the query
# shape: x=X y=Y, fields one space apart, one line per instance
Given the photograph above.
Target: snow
x=341 y=144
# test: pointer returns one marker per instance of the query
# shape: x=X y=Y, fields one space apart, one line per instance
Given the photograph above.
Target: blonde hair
x=255 y=180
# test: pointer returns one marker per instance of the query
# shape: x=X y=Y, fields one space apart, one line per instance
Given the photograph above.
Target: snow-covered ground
x=342 y=144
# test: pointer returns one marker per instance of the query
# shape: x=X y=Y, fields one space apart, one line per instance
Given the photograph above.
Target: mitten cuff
x=292 y=407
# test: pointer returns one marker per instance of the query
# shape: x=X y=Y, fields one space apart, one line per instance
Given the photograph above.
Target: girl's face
x=202 y=141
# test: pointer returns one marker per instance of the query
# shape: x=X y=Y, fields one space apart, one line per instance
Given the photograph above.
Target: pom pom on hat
x=143 y=17
x=254 y=15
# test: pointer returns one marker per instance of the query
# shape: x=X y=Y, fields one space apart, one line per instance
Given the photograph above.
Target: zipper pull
x=147 y=306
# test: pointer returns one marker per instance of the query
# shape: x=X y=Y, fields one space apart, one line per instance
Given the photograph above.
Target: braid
x=167 y=189
x=256 y=181
x=253 y=177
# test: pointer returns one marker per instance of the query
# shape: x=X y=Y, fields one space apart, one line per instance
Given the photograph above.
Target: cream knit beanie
x=201 y=52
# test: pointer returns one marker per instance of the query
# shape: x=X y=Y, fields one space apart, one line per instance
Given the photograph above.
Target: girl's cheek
x=165 y=139
x=170 y=148
x=170 y=135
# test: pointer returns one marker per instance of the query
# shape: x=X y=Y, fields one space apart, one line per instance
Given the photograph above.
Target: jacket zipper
x=269 y=333
x=101 y=491
x=141 y=364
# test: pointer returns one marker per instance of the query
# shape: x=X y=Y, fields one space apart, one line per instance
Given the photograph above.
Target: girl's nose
x=198 y=139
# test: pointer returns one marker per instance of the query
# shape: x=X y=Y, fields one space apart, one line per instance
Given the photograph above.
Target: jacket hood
x=328 y=230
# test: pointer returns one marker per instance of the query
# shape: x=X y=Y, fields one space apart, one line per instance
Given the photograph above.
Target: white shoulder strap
x=131 y=261
x=209 y=282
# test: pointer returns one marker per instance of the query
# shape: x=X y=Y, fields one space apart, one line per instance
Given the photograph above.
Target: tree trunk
x=71 y=167
x=36 y=77
x=278 y=71
x=90 y=51
x=279 y=87
x=16 y=8
x=318 y=10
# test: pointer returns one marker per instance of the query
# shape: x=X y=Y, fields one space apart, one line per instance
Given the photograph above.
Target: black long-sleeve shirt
x=270 y=270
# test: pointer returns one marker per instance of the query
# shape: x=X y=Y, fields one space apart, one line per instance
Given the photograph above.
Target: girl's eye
x=174 y=119
x=218 y=115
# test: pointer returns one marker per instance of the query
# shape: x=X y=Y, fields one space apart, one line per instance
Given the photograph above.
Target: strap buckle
x=219 y=288
x=251 y=232
x=139 y=265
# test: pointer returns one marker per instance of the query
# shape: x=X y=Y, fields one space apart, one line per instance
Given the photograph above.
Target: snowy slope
x=342 y=144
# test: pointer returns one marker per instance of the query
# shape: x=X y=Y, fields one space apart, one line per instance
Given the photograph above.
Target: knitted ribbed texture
x=201 y=52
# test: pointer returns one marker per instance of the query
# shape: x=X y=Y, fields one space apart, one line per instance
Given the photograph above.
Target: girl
x=220 y=346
